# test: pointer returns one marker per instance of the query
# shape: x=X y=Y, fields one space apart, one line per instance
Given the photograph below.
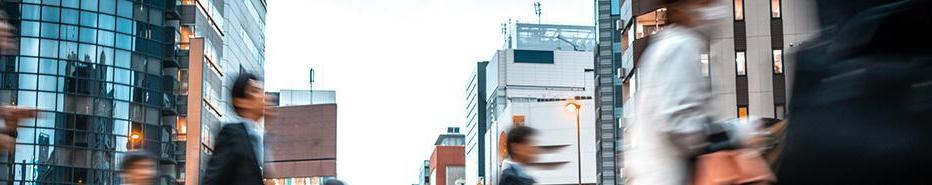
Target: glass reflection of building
x=95 y=70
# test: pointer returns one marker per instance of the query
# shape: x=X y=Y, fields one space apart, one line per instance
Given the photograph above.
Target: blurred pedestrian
x=11 y=117
x=333 y=182
x=671 y=124
x=862 y=96
x=239 y=149
x=522 y=150
x=138 y=168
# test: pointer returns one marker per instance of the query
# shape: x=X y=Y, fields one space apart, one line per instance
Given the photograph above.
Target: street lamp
x=573 y=106
x=134 y=139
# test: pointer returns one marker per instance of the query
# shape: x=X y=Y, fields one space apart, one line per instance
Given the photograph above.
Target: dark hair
x=241 y=85
x=333 y=182
x=131 y=158
x=519 y=135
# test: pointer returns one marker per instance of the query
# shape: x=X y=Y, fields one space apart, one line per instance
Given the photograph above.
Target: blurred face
x=254 y=104
x=525 y=152
x=142 y=172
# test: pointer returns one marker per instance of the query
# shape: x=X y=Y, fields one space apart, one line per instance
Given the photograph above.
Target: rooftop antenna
x=311 y=90
x=537 y=11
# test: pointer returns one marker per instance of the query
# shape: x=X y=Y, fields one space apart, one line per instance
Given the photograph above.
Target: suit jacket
x=234 y=160
x=511 y=176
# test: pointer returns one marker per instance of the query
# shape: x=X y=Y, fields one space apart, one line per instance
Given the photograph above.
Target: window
x=739 y=10
x=779 y=111
x=742 y=111
x=775 y=9
x=650 y=23
x=777 y=61
x=704 y=61
x=741 y=63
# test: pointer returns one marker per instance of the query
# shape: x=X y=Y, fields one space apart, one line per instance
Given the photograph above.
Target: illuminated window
x=739 y=10
x=742 y=112
x=185 y=37
x=775 y=9
x=741 y=63
x=777 y=61
x=779 y=112
x=181 y=127
x=704 y=61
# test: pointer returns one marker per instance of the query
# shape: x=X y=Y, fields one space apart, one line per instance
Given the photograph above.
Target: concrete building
x=747 y=61
x=447 y=159
x=217 y=40
x=476 y=126
x=302 y=145
x=423 y=175
x=303 y=97
x=531 y=87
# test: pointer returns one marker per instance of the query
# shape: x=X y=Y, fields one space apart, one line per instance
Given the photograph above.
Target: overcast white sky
x=399 y=67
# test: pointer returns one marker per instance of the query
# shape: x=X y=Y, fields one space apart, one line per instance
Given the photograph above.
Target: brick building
x=302 y=145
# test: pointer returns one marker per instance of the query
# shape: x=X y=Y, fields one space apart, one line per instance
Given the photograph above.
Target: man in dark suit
x=238 y=155
x=521 y=151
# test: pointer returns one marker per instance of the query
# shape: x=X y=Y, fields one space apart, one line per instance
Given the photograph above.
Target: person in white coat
x=671 y=124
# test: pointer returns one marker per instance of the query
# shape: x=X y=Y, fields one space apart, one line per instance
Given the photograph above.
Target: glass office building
x=95 y=70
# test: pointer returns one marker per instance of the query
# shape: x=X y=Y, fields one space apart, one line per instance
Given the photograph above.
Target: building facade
x=97 y=71
x=447 y=161
x=747 y=61
x=476 y=126
x=302 y=145
x=217 y=40
x=608 y=59
x=303 y=97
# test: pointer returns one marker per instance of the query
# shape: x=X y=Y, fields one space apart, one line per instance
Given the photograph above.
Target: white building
x=524 y=87
x=303 y=97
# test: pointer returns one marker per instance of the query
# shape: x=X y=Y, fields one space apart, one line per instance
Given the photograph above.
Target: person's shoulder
x=233 y=128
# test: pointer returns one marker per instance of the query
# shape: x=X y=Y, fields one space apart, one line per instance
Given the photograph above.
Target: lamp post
x=572 y=106
x=134 y=140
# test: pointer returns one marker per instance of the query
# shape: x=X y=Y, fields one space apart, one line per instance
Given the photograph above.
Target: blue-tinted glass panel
x=30 y=29
x=533 y=56
x=28 y=82
x=29 y=46
x=68 y=50
x=122 y=58
x=46 y=100
x=124 y=41
x=87 y=53
x=88 y=35
x=88 y=19
x=49 y=48
x=50 y=14
x=69 y=16
x=31 y=12
x=106 y=55
x=108 y=6
x=48 y=83
x=107 y=22
x=125 y=8
x=28 y=65
x=70 y=3
x=51 y=2
x=69 y=33
x=48 y=66
x=49 y=30
x=89 y=5
x=124 y=25
x=105 y=38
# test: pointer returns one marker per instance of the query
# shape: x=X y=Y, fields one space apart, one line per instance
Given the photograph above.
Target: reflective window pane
x=122 y=58
x=26 y=98
x=28 y=82
x=49 y=30
x=88 y=53
x=778 y=61
x=89 y=19
x=46 y=100
x=48 y=83
x=30 y=12
x=107 y=22
x=108 y=6
x=89 y=5
x=105 y=38
x=69 y=16
x=30 y=28
x=69 y=32
x=48 y=66
x=88 y=35
x=68 y=50
x=49 y=48
x=28 y=65
x=50 y=14
x=29 y=46
x=125 y=8
x=124 y=25
x=70 y=3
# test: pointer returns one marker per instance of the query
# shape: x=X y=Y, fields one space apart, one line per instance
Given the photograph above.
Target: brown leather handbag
x=732 y=167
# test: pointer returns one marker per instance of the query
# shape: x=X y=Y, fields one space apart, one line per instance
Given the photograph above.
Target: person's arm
x=227 y=154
